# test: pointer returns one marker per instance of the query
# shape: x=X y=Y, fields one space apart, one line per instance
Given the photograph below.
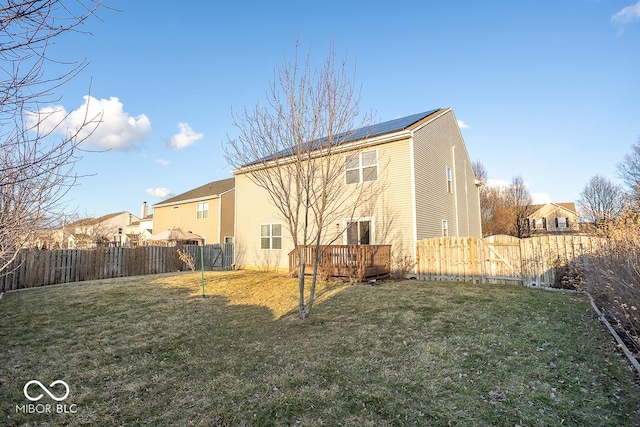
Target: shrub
x=401 y=265
x=185 y=256
x=613 y=276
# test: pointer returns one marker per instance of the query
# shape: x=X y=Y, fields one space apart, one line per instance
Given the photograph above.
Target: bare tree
x=519 y=204
x=505 y=210
x=601 y=200
x=489 y=196
x=629 y=171
x=36 y=171
x=294 y=148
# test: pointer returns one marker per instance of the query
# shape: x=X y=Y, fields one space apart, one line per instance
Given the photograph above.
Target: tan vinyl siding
x=390 y=211
x=185 y=218
x=394 y=206
x=253 y=208
x=432 y=156
x=433 y=152
x=226 y=219
x=468 y=199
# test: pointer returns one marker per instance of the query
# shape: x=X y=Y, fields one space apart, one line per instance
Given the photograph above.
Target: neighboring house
x=207 y=211
x=88 y=233
x=554 y=218
x=107 y=230
x=427 y=189
x=139 y=231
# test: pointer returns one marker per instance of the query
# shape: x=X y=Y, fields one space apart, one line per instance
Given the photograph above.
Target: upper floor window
x=445 y=228
x=362 y=167
x=540 y=223
x=271 y=236
x=202 y=210
x=449 y=180
x=562 y=222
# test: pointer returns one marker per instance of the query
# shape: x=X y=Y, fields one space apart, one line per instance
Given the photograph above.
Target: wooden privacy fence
x=533 y=261
x=41 y=268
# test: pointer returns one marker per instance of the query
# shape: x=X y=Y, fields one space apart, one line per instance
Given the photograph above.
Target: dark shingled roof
x=211 y=189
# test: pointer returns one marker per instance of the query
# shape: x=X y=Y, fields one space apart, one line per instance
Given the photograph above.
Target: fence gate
x=216 y=257
x=502 y=259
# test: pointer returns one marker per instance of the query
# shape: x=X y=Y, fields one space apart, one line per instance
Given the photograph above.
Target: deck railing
x=358 y=262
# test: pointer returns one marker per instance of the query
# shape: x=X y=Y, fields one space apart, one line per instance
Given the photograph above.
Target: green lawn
x=152 y=351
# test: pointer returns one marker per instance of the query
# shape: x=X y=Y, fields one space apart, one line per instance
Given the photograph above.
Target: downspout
x=220 y=238
x=455 y=189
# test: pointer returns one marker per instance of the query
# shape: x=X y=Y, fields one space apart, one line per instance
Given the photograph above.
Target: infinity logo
x=46 y=390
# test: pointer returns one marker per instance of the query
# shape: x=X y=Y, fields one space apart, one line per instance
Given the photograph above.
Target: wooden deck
x=353 y=261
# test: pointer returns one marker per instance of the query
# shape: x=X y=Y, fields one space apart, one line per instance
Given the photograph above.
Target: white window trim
x=372 y=228
x=449 y=180
x=360 y=167
x=271 y=236
x=445 y=226
x=200 y=213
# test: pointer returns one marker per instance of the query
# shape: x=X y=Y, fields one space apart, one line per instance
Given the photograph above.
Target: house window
x=361 y=167
x=359 y=232
x=445 y=228
x=202 y=210
x=271 y=236
x=449 y=180
x=562 y=222
x=540 y=224
x=228 y=239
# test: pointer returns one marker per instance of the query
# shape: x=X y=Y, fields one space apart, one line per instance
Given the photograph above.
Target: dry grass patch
x=276 y=292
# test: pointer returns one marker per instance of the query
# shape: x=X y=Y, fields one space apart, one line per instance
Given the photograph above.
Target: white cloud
x=462 y=125
x=185 y=138
x=498 y=183
x=163 y=162
x=159 y=192
x=540 y=198
x=536 y=198
x=110 y=128
x=627 y=15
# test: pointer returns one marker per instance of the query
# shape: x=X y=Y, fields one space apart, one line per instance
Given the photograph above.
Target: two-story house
x=207 y=211
x=427 y=188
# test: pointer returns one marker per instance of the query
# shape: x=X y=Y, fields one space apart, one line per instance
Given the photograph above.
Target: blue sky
x=548 y=90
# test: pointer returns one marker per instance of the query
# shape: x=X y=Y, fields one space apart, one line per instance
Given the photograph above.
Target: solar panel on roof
x=389 y=126
x=365 y=132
